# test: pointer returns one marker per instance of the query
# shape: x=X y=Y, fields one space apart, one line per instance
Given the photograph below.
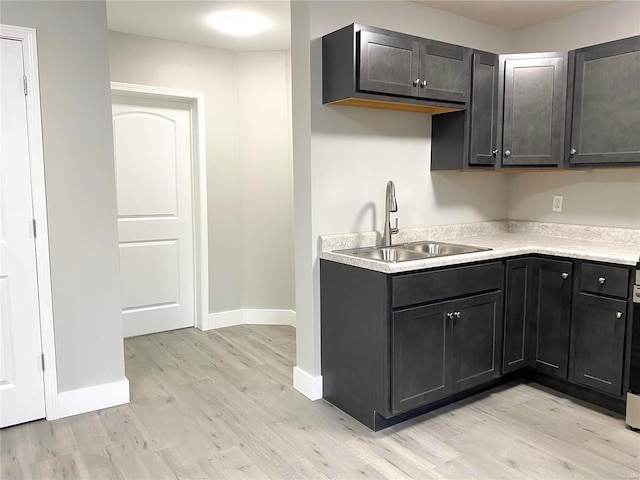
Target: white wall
x=80 y=182
x=344 y=158
x=248 y=160
x=598 y=197
x=265 y=157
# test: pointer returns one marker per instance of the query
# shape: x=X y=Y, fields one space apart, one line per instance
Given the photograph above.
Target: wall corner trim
x=250 y=316
x=89 y=399
x=310 y=387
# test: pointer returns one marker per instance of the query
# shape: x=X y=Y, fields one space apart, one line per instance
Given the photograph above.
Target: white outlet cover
x=557 y=203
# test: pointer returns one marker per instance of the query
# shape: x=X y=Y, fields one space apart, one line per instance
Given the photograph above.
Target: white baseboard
x=249 y=316
x=89 y=399
x=309 y=386
x=225 y=319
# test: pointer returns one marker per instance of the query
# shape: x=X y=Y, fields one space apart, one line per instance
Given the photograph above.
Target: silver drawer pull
x=565 y=275
x=619 y=315
x=602 y=280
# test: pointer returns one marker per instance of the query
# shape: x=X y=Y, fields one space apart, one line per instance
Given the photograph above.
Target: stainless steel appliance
x=633 y=395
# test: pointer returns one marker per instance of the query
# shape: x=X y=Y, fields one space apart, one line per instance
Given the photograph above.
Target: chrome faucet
x=390 y=205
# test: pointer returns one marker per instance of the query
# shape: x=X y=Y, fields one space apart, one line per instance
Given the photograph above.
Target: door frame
x=200 y=228
x=27 y=36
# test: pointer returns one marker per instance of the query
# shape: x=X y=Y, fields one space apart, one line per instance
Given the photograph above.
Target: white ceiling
x=185 y=21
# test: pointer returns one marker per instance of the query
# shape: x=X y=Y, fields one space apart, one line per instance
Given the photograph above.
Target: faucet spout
x=391 y=205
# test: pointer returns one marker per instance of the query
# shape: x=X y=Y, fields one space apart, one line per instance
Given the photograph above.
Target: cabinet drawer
x=605 y=280
x=423 y=287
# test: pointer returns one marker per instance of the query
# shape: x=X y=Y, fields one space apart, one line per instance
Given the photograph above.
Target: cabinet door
x=484 y=109
x=518 y=301
x=606 y=104
x=550 y=340
x=388 y=64
x=476 y=340
x=534 y=110
x=445 y=71
x=418 y=356
x=597 y=341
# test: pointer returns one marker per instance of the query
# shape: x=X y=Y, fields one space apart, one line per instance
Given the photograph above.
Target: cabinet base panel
x=376 y=422
x=608 y=402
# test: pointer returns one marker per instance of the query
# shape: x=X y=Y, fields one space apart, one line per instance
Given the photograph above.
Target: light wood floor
x=220 y=405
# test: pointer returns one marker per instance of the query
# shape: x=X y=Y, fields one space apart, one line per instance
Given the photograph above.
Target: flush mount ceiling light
x=238 y=23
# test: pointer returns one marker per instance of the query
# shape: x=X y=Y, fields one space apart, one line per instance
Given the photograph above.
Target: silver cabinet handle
x=457 y=314
x=450 y=315
x=423 y=84
x=507 y=153
x=565 y=275
x=495 y=152
x=602 y=280
x=416 y=82
x=573 y=151
x=619 y=315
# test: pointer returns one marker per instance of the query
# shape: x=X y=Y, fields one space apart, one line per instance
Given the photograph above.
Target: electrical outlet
x=557 y=203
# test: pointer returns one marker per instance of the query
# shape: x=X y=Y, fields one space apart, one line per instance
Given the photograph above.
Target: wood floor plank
x=220 y=405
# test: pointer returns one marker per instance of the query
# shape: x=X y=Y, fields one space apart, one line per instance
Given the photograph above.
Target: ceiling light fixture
x=240 y=23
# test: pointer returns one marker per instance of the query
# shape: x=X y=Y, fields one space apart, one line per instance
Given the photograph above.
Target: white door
x=21 y=375
x=152 y=145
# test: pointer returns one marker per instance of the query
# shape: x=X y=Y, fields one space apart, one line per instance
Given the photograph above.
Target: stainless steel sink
x=439 y=249
x=384 y=254
x=410 y=251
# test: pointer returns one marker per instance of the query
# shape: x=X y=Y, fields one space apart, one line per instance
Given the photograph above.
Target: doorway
x=161 y=196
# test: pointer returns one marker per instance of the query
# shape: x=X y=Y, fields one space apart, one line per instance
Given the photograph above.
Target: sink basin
x=384 y=254
x=410 y=251
x=439 y=249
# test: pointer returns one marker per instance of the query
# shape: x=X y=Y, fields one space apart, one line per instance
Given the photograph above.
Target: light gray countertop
x=503 y=244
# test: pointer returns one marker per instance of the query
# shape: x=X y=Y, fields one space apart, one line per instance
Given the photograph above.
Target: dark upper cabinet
x=597 y=342
x=518 y=310
x=388 y=64
x=532 y=121
x=484 y=109
x=604 y=104
x=445 y=71
x=374 y=68
x=552 y=317
x=468 y=139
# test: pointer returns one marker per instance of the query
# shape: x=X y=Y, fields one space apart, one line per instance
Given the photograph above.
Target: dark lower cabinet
x=397 y=345
x=597 y=342
x=552 y=317
x=518 y=304
x=444 y=348
x=476 y=334
x=419 y=350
